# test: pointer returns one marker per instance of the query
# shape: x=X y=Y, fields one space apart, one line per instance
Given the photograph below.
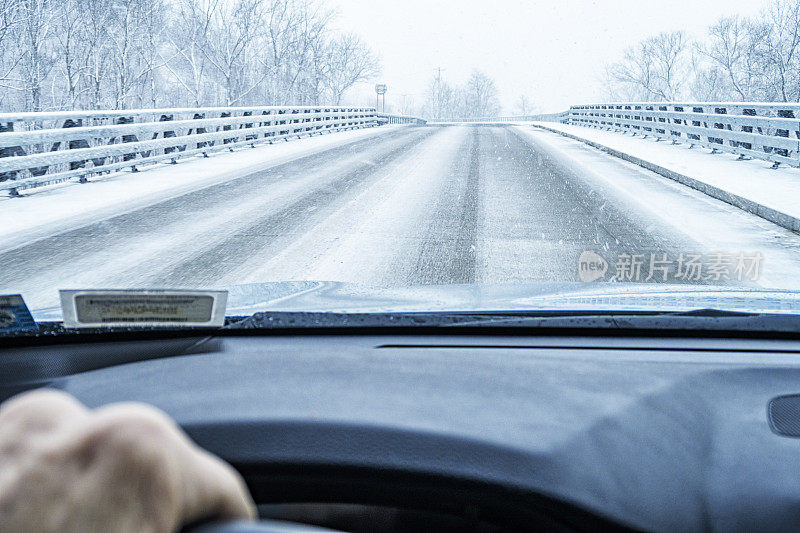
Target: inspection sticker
x=150 y=308
x=14 y=314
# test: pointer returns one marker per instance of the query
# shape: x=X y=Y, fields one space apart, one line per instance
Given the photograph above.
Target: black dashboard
x=497 y=432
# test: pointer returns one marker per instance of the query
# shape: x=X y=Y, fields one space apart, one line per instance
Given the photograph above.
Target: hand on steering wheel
x=122 y=468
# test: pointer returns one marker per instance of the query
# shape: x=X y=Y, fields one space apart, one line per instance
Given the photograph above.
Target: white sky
x=554 y=51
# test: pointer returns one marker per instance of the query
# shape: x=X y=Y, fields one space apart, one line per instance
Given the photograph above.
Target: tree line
x=477 y=97
x=123 y=54
x=754 y=59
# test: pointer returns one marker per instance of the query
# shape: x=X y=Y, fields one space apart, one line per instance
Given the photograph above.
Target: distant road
x=417 y=205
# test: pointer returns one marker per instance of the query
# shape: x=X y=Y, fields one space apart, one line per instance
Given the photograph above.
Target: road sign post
x=380 y=94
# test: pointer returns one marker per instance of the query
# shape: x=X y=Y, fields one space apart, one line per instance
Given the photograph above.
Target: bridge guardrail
x=548 y=117
x=387 y=118
x=41 y=148
x=766 y=131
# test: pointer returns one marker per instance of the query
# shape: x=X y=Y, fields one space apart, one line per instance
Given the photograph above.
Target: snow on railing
x=42 y=148
x=767 y=131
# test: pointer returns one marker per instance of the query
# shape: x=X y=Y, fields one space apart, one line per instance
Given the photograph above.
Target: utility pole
x=404 y=103
x=438 y=93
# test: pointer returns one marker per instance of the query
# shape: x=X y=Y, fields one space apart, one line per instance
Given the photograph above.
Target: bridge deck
x=410 y=205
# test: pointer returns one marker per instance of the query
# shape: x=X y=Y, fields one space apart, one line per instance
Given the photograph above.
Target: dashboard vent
x=784 y=415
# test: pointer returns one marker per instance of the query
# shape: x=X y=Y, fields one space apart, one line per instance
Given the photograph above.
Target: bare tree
x=755 y=59
x=480 y=96
x=152 y=40
x=10 y=19
x=656 y=68
x=33 y=36
x=783 y=48
x=96 y=16
x=318 y=72
x=708 y=82
x=313 y=36
x=295 y=34
x=524 y=106
x=133 y=27
x=349 y=62
x=286 y=40
x=476 y=98
x=634 y=77
x=231 y=35
x=72 y=53
x=123 y=53
x=736 y=47
x=440 y=98
x=188 y=35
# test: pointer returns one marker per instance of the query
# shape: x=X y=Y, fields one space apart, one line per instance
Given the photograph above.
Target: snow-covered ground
x=754 y=180
x=43 y=211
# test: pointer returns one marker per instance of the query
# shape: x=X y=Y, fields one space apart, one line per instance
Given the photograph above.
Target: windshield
x=325 y=155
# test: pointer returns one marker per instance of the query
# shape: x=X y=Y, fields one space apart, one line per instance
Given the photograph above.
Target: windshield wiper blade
x=694 y=320
x=560 y=321
x=699 y=320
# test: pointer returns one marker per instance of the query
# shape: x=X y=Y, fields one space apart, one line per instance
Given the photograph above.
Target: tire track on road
x=448 y=250
x=275 y=230
x=561 y=212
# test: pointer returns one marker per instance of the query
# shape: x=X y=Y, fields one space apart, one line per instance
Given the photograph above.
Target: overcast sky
x=554 y=51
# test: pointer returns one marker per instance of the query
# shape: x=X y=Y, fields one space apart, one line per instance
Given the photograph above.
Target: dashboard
x=469 y=432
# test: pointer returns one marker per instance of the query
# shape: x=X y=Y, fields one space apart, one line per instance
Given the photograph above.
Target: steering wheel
x=261 y=526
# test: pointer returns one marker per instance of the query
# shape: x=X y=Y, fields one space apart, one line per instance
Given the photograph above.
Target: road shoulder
x=750 y=185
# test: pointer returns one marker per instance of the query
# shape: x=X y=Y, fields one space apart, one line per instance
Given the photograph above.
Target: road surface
x=416 y=205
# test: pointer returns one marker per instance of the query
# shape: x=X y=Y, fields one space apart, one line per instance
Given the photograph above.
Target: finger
x=215 y=490
x=39 y=411
x=42 y=403
x=210 y=487
x=132 y=458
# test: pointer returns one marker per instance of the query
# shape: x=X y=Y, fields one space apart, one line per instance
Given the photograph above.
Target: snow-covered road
x=410 y=206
